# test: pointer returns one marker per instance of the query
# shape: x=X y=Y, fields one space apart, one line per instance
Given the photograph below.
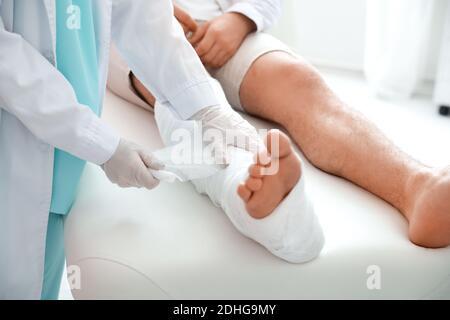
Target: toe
x=254 y=184
x=262 y=159
x=278 y=144
x=256 y=171
x=244 y=192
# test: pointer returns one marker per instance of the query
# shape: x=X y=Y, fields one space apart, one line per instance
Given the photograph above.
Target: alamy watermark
x=373 y=281
x=212 y=146
x=73 y=22
x=74 y=277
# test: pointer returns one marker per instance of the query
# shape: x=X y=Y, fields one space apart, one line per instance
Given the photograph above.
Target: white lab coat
x=39 y=111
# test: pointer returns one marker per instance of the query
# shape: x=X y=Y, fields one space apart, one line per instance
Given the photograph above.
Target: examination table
x=172 y=243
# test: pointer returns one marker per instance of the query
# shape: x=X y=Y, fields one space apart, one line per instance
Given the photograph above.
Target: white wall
x=332 y=32
x=326 y=32
x=436 y=38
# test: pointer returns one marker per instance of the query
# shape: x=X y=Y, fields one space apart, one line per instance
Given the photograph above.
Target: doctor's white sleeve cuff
x=102 y=141
x=250 y=12
x=193 y=97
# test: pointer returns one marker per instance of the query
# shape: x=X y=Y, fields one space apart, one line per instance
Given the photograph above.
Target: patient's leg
x=286 y=224
x=341 y=141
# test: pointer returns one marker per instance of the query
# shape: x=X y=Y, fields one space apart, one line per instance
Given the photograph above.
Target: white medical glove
x=130 y=166
x=241 y=134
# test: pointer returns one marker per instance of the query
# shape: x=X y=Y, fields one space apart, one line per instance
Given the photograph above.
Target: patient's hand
x=187 y=22
x=217 y=40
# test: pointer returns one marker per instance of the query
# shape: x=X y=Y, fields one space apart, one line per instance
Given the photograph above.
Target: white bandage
x=183 y=170
x=291 y=232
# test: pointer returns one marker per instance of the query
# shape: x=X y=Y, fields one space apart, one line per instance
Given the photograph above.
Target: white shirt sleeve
x=264 y=13
x=154 y=46
x=37 y=94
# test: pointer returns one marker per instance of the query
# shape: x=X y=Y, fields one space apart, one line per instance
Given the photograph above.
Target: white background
x=332 y=33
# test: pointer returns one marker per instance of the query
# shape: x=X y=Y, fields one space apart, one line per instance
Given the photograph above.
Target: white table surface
x=173 y=243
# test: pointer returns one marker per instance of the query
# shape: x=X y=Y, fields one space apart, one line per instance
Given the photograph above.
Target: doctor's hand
x=232 y=129
x=129 y=167
x=217 y=40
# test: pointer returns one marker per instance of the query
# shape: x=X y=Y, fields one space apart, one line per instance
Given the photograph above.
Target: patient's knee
x=292 y=75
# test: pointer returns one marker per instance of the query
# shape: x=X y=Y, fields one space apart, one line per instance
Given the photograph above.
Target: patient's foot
x=429 y=213
x=263 y=193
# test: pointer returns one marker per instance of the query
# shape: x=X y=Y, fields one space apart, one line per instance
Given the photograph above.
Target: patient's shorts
x=232 y=74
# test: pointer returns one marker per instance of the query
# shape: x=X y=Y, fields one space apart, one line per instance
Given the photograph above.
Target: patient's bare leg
x=263 y=193
x=341 y=141
x=146 y=95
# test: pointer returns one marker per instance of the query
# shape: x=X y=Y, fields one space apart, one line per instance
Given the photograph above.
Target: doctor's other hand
x=217 y=40
x=187 y=22
x=129 y=167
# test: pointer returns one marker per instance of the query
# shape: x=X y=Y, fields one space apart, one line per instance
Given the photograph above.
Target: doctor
x=53 y=65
